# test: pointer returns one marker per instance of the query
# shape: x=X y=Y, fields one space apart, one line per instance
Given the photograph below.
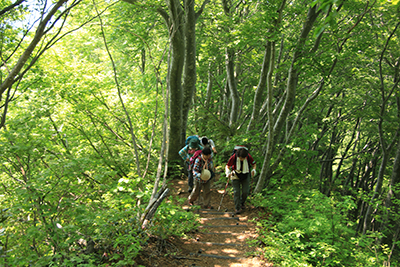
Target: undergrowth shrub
x=306 y=228
x=100 y=229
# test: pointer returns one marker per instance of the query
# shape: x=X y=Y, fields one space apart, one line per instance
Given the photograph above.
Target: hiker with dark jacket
x=186 y=153
x=239 y=167
x=203 y=172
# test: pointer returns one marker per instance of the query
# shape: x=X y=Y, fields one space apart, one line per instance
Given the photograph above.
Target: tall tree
x=387 y=142
x=180 y=21
x=15 y=61
x=268 y=67
x=276 y=126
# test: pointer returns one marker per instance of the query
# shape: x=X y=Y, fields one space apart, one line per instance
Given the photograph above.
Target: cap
x=194 y=144
x=205 y=175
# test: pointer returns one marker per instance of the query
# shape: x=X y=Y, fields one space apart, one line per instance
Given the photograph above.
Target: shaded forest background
x=98 y=97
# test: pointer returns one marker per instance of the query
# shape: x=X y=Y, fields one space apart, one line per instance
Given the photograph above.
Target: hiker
x=203 y=171
x=186 y=153
x=192 y=137
x=208 y=142
x=240 y=163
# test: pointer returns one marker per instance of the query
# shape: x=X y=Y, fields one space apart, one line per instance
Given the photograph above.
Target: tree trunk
x=231 y=80
x=266 y=70
x=174 y=22
x=392 y=209
x=16 y=70
x=209 y=89
x=277 y=127
x=260 y=88
x=181 y=24
x=189 y=76
x=385 y=97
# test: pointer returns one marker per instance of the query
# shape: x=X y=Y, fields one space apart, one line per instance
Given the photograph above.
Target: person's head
x=242 y=153
x=206 y=153
x=194 y=144
x=204 y=141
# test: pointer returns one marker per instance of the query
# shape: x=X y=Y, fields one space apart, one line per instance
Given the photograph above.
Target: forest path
x=221 y=240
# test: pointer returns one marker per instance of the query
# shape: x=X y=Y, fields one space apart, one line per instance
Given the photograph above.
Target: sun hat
x=205 y=175
x=194 y=144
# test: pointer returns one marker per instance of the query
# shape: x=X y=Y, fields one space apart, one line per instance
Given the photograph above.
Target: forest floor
x=221 y=240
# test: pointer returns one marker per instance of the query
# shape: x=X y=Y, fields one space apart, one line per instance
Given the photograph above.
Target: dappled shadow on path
x=221 y=240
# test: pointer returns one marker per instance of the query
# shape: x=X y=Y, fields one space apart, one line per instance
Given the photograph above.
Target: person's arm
x=230 y=165
x=253 y=171
x=197 y=169
x=212 y=146
x=253 y=165
x=184 y=153
x=228 y=171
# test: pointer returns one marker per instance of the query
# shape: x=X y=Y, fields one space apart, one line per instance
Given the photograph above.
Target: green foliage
x=108 y=220
x=67 y=167
x=306 y=228
x=171 y=220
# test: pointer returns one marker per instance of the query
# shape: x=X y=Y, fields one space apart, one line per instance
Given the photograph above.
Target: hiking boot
x=238 y=211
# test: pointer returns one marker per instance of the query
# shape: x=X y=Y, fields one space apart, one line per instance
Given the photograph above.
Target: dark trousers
x=241 y=190
x=190 y=175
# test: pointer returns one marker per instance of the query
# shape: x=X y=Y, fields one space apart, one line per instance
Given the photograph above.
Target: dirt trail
x=221 y=239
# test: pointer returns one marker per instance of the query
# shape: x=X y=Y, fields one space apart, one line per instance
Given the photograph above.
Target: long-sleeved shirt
x=232 y=164
x=186 y=153
x=198 y=167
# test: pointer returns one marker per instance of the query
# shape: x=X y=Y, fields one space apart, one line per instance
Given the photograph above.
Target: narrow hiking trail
x=221 y=240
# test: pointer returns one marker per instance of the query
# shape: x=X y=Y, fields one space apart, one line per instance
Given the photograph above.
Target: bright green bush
x=306 y=228
x=108 y=219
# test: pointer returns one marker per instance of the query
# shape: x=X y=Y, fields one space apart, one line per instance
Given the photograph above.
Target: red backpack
x=192 y=160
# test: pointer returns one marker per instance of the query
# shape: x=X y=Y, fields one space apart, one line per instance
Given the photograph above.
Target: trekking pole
x=223 y=194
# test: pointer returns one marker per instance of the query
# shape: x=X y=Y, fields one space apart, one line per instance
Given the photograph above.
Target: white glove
x=253 y=172
x=227 y=171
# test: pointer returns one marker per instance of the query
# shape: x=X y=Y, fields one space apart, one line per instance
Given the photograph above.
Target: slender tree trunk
x=181 y=78
x=230 y=72
x=128 y=117
x=231 y=80
x=209 y=88
x=266 y=71
x=8 y=82
x=174 y=20
x=260 y=88
x=385 y=96
x=276 y=128
x=189 y=75
x=392 y=209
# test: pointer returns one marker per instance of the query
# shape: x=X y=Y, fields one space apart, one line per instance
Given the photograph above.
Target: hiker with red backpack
x=192 y=144
x=239 y=168
x=203 y=171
